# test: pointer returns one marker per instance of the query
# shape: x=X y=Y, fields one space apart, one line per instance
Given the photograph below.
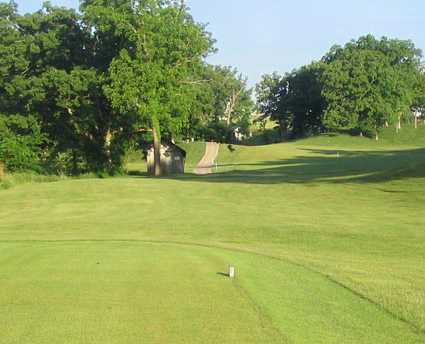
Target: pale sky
x=262 y=36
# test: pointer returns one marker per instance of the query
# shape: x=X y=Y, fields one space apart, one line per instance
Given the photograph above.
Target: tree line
x=360 y=88
x=78 y=89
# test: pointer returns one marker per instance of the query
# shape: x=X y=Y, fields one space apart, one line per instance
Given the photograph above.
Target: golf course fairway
x=326 y=236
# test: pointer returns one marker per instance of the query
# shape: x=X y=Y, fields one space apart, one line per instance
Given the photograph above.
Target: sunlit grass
x=338 y=225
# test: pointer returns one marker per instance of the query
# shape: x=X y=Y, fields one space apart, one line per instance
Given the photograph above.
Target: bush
x=266 y=137
x=20 y=143
x=217 y=131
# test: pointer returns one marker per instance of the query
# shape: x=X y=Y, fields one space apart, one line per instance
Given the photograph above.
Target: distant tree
x=304 y=100
x=269 y=93
x=294 y=101
x=419 y=100
x=234 y=104
x=369 y=83
x=223 y=101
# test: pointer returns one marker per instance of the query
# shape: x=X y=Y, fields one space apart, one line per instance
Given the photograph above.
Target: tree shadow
x=322 y=165
x=134 y=173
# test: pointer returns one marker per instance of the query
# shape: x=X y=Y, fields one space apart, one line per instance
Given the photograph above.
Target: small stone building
x=173 y=159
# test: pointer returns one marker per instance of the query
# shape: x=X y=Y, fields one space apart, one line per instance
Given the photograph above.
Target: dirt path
x=207 y=163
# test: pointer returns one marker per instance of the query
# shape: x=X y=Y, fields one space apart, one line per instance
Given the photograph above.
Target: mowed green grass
x=327 y=236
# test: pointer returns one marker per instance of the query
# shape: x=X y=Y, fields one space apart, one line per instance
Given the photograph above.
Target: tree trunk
x=156 y=153
x=108 y=140
x=376 y=135
x=282 y=130
x=416 y=121
x=231 y=104
x=74 y=163
x=399 y=124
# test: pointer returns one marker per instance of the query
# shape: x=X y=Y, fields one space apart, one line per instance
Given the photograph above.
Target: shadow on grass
x=137 y=174
x=223 y=274
x=320 y=165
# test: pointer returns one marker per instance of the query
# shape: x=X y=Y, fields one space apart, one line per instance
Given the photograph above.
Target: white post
x=232 y=272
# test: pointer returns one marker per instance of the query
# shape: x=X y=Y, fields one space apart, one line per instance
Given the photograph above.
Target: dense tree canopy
x=419 y=101
x=47 y=74
x=78 y=88
x=95 y=81
x=362 y=86
x=294 y=101
x=369 y=83
x=151 y=77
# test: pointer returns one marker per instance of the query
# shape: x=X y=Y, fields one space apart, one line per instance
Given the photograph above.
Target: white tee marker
x=232 y=272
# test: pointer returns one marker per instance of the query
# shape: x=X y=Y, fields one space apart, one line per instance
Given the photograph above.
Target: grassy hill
x=326 y=235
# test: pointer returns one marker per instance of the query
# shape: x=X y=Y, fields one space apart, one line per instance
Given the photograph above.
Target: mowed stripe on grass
x=126 y=292
x=344 y=222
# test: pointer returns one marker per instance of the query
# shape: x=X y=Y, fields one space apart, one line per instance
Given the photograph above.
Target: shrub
x=20 y=143
x=266 y=137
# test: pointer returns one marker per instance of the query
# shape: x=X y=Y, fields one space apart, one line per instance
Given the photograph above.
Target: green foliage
x=294 y=101
x=363 y=86
x=419 y=102
x=47 y=70
x=20 y=143
x=94 y=80
x=222 y=103
x=369 y=83
x=151 y=78
x=216 y=131
x=269 y=92
x=264 y=137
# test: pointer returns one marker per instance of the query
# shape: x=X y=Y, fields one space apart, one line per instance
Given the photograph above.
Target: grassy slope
x=342 y=218
x=195 y=151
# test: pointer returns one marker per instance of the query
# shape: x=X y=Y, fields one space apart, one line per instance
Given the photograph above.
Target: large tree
x=48 y=72
x=152 y=77
x=369 y=83
x=294 y=100
x=364 y=85
x=269 y=93
x=93 y=81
